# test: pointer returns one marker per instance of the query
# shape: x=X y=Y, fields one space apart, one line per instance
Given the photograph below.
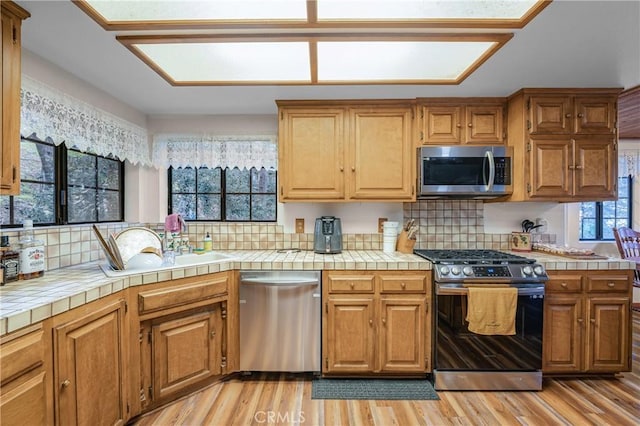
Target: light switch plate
x=381 y=220
x=299 y=226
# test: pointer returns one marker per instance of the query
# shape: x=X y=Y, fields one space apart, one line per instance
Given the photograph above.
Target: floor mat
x=373 y=389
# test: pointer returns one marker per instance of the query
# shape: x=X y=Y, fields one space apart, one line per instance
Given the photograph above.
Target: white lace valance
x=628 y=162
x=214 y=151
x=47 y=112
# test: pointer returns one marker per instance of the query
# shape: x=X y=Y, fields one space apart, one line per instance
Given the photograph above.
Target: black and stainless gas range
x=464 y=360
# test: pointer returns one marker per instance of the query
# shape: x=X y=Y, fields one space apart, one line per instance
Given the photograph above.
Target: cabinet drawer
x=21 y=354
x=351 y=284
x=155 y=300
x=402 y=284
x=569 y=284
x=608 y=283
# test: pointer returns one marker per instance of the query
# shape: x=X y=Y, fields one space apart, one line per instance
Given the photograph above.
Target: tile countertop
x=27 y=302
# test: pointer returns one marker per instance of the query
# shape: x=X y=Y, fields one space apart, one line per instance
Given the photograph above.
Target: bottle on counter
x=10 y=261
x=32 y=254
x=208 y=243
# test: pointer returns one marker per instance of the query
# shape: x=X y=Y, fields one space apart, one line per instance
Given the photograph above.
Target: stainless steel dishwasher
x=280 y=321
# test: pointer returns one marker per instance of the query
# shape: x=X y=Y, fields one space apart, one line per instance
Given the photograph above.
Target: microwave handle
x=492 y=170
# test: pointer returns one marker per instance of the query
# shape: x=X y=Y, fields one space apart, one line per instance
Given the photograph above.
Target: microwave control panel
x=503 y=167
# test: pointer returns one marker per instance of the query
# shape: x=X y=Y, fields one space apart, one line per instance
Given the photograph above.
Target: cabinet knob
x=579 y=167
x=580 y=115
x=353 y=168
x=384 y=321
x=611 y=285
x=370 y=322
x=593 y=320
x=470 y=125
x=341 y=169
x=458 y=125
x=580 y=320
x=351 y=284
x=65 y=384
x=403 y=285
x=212 y=334
x=563 y=285
x=568 y=115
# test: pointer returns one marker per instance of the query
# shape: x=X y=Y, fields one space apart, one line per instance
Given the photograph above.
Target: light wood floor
x=287 y=399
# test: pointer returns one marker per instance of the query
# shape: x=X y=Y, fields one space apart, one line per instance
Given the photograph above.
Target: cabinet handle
x=580 y=320
x=65 y=384
x=593 y=320
x=611 y=285
x=563 y=285
x=212 y=334
x=571 y=167
x=579 y=167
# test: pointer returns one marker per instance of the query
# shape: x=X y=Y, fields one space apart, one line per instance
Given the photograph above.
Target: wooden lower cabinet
x=90 y=366
x=26 y=374
x=587 y=322
x=376 y=322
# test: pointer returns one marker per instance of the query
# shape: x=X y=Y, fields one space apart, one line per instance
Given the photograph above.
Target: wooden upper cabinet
x=380 y=153
x=339 y=151
x=564 y=144
x=11 y=23
x=450 y=121
x=310 y=154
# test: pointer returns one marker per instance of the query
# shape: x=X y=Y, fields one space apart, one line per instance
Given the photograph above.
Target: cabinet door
x=381 y=159
x=484 y=124
x=185 y=351
x=10 y=110
x=349 y=335
x=550 y=115
x=402 y=332
x=549 y=172
x=608 y=336
x=562 y=334
x=311 y=154
x=595 y=115
x=596 y=168
x=442 y=125
x=89 y=368
x=26 y=401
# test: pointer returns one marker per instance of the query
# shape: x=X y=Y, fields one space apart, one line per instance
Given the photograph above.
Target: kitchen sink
x=181 y=261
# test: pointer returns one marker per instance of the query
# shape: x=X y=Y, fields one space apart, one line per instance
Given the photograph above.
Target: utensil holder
x=520 y=241
x=405 y=245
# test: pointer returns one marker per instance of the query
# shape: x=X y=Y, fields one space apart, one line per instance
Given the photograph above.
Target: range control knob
x=455 y=270
x=538 y=270
x=444 y=270
x=527 y=270
x=467 y=270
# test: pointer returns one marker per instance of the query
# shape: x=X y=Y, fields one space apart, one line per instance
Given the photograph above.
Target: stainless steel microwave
x=464 y=171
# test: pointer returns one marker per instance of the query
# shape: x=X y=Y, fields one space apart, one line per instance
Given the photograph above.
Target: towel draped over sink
x=492 y=310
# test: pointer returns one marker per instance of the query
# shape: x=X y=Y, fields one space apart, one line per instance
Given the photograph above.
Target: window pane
x=209 y=180
x=81 y=169
x=82 y=204
x=108 y=173
x=36 y=201
x=108 y=205
x=208 y=207
x=263 y=181
x=237 y=181
x=623 y=186
x=588 y=231
x=184 y=204
x=36 y=161
x=588 y=210
x=183 y=180
x=237 y=207
x=263 y=207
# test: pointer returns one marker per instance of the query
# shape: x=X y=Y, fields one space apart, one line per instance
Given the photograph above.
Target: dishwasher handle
x=280 y=282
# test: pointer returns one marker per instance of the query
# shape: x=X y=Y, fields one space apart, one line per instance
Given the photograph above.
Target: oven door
x=465 y=360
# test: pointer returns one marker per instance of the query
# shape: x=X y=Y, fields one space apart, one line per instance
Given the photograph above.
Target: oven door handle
x=522 y=291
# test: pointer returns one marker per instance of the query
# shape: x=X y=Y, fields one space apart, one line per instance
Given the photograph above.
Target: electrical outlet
x=381 y=220
x=299 y=226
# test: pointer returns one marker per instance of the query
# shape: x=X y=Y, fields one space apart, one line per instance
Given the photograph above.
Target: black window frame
x=599 y=216
x=61 y=186
x=223 y=193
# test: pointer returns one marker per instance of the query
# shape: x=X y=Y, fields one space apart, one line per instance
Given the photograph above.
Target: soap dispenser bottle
x=208 y=243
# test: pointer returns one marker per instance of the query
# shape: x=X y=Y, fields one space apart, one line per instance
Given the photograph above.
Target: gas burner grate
x=471 y=256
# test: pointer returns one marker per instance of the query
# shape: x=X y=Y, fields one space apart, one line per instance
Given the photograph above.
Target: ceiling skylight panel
x=245 y=62
x=198 y=10
x=398 y=10
x=390 y=61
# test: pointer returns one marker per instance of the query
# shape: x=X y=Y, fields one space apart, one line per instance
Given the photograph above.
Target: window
x=598 y=218
x=223 y=194
x=90 y=187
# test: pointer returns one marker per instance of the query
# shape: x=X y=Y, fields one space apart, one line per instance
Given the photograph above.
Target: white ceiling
x=569 y=44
